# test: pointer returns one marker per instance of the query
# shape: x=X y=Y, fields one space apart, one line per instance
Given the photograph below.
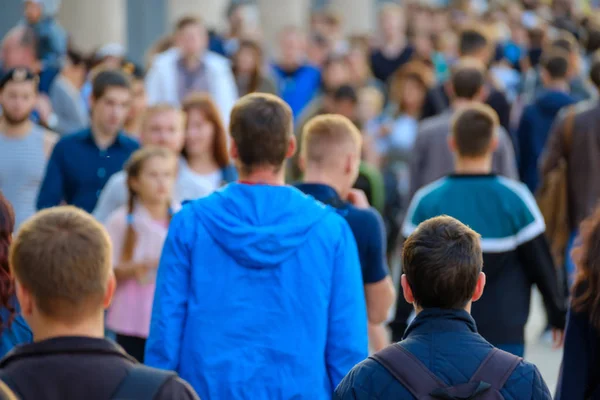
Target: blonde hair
x=325 y=133
x=161 y=108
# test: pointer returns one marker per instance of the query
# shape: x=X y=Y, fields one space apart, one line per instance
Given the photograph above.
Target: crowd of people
x=222 y=222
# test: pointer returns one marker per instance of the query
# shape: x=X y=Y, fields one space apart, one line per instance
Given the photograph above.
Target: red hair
x=7 y=287
x=205 y=104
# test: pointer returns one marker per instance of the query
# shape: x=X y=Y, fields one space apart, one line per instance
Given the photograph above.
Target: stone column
x=212 y=12
x=358 y=15
x=277 y=14
x=93 y=23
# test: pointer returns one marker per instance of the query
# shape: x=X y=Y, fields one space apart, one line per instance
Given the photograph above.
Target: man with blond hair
x=61 y=261
x=331 y=146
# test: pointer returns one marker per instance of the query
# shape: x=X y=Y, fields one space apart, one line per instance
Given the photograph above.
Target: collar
x=441 y=320
x=463 y=176
x=119 y=139
x=66 y=345
x=322 y=192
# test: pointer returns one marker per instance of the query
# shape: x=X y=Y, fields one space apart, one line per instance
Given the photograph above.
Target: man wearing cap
x=83 y=162
x=24 y=145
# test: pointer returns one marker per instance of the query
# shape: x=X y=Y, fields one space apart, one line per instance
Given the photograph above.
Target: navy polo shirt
x=366 y=225
x=78 y=169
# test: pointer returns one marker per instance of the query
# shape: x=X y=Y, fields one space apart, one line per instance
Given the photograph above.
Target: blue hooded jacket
x=533 y=132
x=258 y=296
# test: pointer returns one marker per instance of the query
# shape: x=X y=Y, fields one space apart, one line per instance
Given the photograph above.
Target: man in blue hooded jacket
x=259 y=292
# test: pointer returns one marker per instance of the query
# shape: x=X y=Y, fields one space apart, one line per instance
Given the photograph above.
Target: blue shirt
x=299 y=87
x=78 y=169
x=366 y=225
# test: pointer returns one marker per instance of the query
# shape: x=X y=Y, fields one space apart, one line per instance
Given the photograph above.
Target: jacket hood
x=550 y=102
x=260 y=226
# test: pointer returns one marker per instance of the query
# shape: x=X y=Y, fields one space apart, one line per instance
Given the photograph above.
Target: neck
x=315 y=175
x=158 y=211
x=264 y=175
x=102 y=138
x=394 y=43
x=460 y=102
x=191 y=61
x=92 y=327
x=475 y=166
x=15 y=130
x=134 y=126
x=418 y=309
x=202 y=163
x=71 y=79
x=558 y=86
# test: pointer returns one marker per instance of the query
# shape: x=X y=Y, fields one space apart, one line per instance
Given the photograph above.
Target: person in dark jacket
x=472 y=44
x=580 y=370
x=538 y=117
x=445 y=255
x=62 y=262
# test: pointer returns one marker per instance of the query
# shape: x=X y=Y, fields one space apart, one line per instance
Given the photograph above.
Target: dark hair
x=473 y=129
x=133 y=70
x=76 y=57
x=345 y=93
x=471 y=41
x=592 y=41
x=442 y=260
x=261 y=126
x=186 y=21
x=586 y=290
x=7 y=288
x=556 y=63
x=105 y=80
x=537 y=36
x=257 y=73
x=467 y=80
x=595 y=70
x=565 y=41
x=205 y=104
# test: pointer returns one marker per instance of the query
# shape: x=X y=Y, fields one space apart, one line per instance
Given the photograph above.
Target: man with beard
x=24 y=146
x=83 y=162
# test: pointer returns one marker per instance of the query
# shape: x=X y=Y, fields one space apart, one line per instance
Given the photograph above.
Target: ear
x=449 y=88
x=133 y=183
x=451 y=143
x=291 y=147
x=479 y=287
x=233 y=151
x=110 y=290
x=408 y=294
x=494 y=143
x=26 y=301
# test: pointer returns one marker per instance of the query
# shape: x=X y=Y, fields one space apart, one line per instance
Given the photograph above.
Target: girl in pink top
x=138 y=232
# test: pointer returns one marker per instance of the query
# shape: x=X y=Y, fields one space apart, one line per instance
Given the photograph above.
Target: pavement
x=538 y=351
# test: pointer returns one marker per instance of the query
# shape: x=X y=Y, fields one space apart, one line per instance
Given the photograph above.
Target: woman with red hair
x=13 y=329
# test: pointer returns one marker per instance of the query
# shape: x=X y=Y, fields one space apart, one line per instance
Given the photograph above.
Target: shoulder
x=526 y=215
x=176 y=388
x=438 y=124
x=166 y=57
x=117 y=218
x=370 y=380
x=216 y=60
x=526 y=382
x=128 y=142
x=517 y=193
x=421 y=205
x=365 y=218
x=70 y=140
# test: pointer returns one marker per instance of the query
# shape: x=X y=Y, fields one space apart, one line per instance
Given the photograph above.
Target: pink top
x=131 y=307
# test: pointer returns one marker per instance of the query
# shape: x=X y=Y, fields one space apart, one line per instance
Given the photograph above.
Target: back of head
x=471 y=42
x=442 y=261
x=474 y=130
x=467 y=79
x=565 y=41
x=327 y=138
x=261 y=126
x=595 y=70
x=62 y=258
x=555 y=63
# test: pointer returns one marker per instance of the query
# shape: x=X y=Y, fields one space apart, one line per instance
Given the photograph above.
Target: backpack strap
x=497 y=367
x=569 y=127
x=142 y=382
x=408 y=370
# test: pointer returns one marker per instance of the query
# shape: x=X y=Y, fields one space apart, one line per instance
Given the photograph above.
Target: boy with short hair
x=442 y=261
x=516 y=254
x=538 y=116
x=61 y=261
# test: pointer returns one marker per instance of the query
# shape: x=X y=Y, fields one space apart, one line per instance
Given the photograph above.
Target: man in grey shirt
x=431 y=157
x=65 y=96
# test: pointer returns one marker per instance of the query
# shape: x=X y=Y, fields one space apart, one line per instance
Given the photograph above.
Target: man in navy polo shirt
x=330 y=158
x=82 y=163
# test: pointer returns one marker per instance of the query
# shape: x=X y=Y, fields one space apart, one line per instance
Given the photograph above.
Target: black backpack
x=140 y=383
x=485 y=384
